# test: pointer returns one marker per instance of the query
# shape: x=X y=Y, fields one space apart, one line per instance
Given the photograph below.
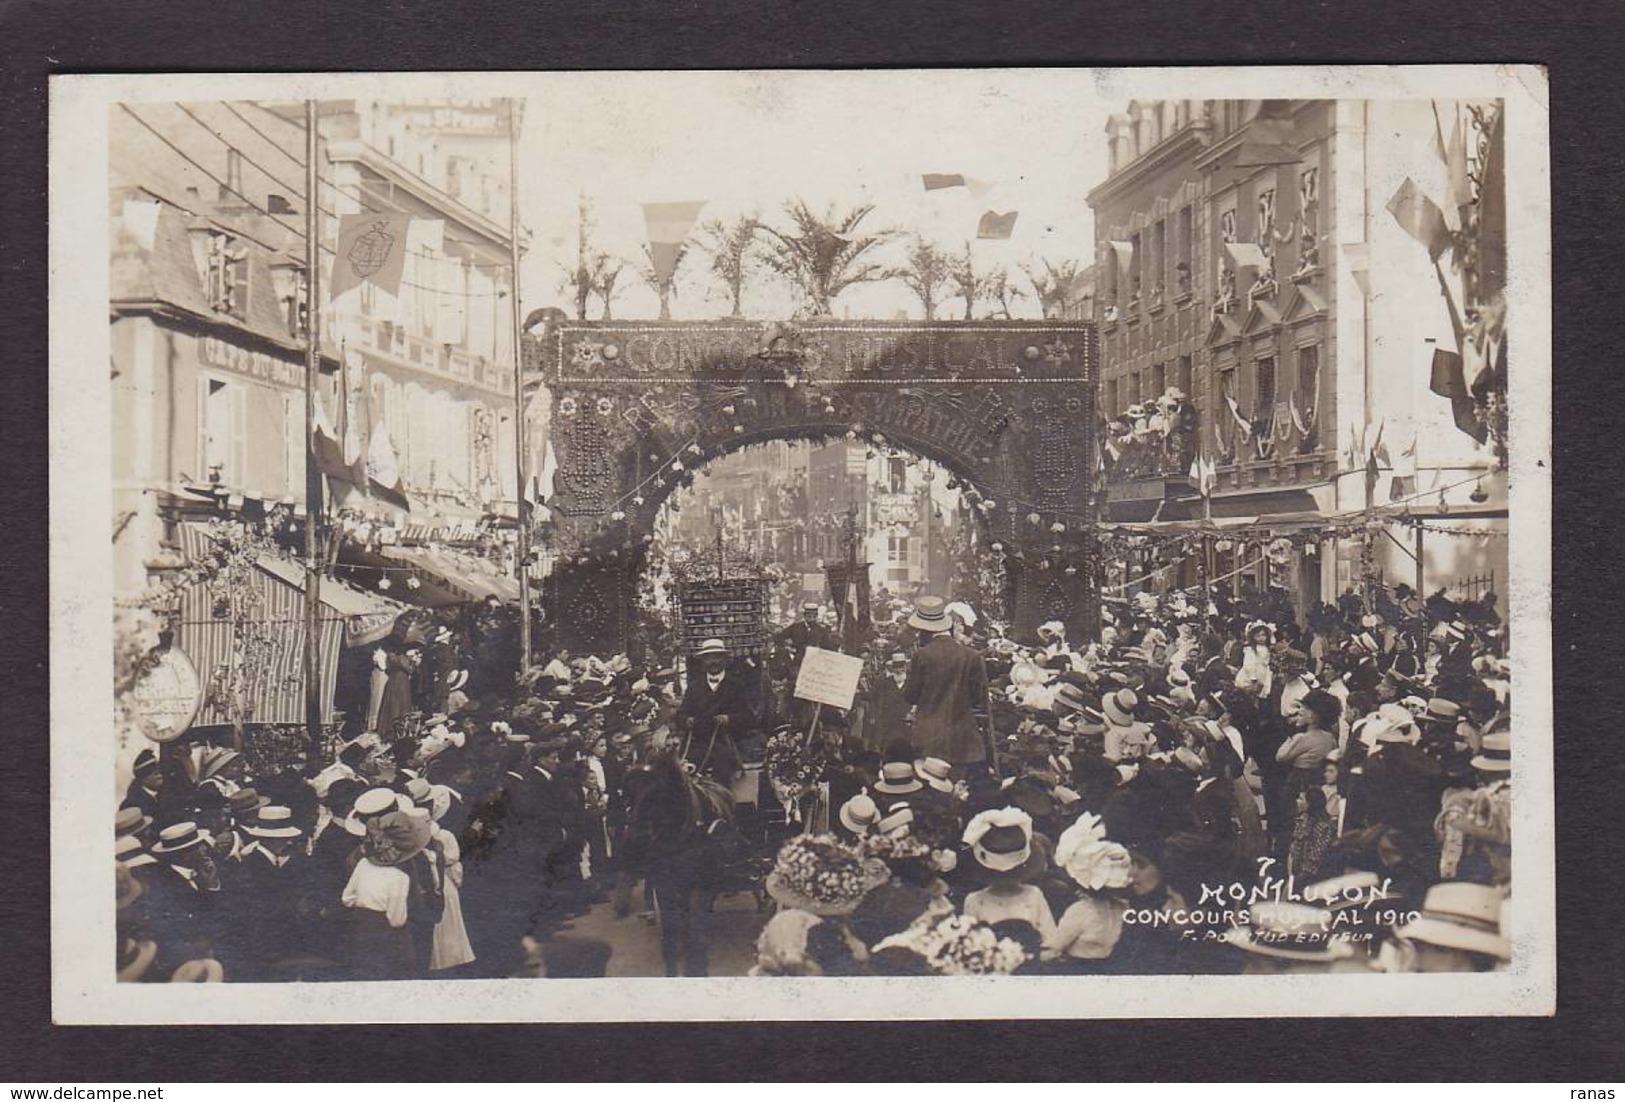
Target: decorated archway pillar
x=637 y=407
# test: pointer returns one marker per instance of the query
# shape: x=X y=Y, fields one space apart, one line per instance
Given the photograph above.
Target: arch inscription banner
x=1007 y=406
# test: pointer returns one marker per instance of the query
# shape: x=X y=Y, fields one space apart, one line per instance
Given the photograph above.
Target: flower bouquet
x=959 y=945
x=793 y=769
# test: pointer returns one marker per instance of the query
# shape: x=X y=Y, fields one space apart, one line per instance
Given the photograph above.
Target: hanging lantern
x=1057 y=527
x=995 y=547
x=1479 y=495
x=1071 y=570
x=728 y=409
x=676 y=464
x=693 y=449
x=638 y=500
x=617 y=515
x=739 y=429
x=1044 y=565
x=412 y=583
x=383 y=583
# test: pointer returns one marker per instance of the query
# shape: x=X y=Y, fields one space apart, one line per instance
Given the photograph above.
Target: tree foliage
x=1055 y=284
x=821 y=255
x=732 y=248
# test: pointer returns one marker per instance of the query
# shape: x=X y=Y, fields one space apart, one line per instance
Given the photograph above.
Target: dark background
x=1584 y=1043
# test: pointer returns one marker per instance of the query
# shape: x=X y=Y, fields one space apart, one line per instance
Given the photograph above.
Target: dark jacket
x=887 y=716
x=947 y=684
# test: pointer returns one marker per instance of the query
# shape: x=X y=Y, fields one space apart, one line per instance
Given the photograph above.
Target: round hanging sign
x=169 y=696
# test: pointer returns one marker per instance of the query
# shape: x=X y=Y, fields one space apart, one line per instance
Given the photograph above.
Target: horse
x=679 y=830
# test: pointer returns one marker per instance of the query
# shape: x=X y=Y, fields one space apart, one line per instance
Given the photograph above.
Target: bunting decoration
x=1420 y=217
x=384 y=470
x=669 y=225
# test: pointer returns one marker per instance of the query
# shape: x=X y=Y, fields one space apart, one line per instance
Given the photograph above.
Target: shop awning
x=468 y=577
x=367 y=618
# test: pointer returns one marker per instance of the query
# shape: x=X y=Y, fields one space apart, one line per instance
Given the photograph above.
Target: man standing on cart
x=718 y=711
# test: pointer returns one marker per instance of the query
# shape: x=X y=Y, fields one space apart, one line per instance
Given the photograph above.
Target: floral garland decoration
x=794 y=769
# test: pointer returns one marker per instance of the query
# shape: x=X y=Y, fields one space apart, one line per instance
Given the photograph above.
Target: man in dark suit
x=717 y=710
x=947 y=684
x=887 y=713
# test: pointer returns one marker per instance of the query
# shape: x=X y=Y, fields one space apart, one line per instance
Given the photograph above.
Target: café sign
x=253 y=363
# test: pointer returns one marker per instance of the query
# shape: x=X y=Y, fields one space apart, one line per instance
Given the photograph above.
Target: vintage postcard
x=793 y=544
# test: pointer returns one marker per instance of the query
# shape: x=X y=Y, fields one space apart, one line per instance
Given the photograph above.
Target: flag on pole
x=1404 y=477
x=326 y=446
x=1204 y=474
x=1358 y=254
x=371 y=249
x=995 y=226
x=937 y=181
x=1420 y=217
x=669 y=225
x=384 y=470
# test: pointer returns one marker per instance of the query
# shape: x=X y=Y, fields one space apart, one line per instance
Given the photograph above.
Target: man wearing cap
x=807 y=632
x=717 y=710
x=146 y=790
x=947 y=684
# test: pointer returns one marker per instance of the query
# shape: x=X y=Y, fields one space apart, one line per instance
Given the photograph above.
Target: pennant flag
x=1373 y=472
x=669 y=225
x=1404 y=479
x=1203 y=474
x=371 y=249
x=278 y=204
x=326 y=448
x=996 y=227
x=1245 y=254
x=1461 y=190
x=356 y=363
x=384 y=470
x=1447 y=377
x=664 y=256
x=1358 y=254
x=978 y=188
x=1420 y=217
x=936 y=181
x=544 y=478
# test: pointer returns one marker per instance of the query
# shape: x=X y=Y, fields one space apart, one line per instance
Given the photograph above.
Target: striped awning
x=467 y=576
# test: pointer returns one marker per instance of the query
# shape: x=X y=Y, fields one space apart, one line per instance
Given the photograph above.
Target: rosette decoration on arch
x=1085 y=855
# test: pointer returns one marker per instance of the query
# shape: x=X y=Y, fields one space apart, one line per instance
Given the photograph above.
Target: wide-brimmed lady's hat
x=859 y=814
x=1289 y=931
x=1494 y=753
x=274 y=822
x=936 y=773
x=711 y=646
x=817 y=874
x=1118 y=707
x=930 y=614
x=397 y=837
x=897 y=778
x=1461 y=916
x=1003 y=845
x=174 y=839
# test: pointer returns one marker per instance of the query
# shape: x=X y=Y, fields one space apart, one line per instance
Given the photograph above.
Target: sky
x=749 y=141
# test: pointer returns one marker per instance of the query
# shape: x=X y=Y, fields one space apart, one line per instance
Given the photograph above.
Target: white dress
x=451 y=946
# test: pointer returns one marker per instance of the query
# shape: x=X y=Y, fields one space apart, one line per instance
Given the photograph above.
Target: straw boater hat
x=817 y=874
x=457 y=680
x=897 y=659
x=897 y=778
x=207 y=970
x=711 y=646
x=130 y=820
x=174 y=839
x=859 y=813
x=1461 y=916
x=374 y=801
x=1289 y=931
x=930 y=614
x=1003 y=845
x=1440 y=710
x=1494 y=754
x=1118 y=707
x=936 y=773
x=274 y=822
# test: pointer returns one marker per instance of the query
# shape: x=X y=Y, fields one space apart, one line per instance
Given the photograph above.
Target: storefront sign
x=168 y=696
x=221 y=353
x=829 y=677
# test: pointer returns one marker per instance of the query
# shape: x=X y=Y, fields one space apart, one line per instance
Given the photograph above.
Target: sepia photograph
x=779 y=544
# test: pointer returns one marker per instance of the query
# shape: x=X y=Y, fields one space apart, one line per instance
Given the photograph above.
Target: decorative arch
x=636 y=407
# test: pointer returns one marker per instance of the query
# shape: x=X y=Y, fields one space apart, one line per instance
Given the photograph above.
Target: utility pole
x=523 y=504
x=313 y=472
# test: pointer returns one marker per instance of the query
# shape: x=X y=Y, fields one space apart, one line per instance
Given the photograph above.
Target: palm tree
x=1001 y=290
x=970 y=285
x=823 y=255
x=732 y=260
x=926 y=271
x=1055 y=284
x=663 y=284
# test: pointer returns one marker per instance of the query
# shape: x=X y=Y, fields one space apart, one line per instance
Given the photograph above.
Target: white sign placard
x=828 y=677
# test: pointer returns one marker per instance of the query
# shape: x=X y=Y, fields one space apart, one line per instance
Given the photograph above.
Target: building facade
x=1241 y=245
x=208 y=312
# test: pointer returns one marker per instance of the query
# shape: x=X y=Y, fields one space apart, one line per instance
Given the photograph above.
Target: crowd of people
x=1210 y=785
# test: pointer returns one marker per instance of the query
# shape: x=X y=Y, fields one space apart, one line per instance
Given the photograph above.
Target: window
x=897 y=549
x=1264 y=389
x=1183 y=379
x=1112 y=408
x=1308 y=384
x=897 y=474
x=1135 y=257
x=1159 y=257
x=1182 y=253
x=223 y=430
x=227 y=274
x=1109 y=262
x=1133 y=388
x=1159 y=380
